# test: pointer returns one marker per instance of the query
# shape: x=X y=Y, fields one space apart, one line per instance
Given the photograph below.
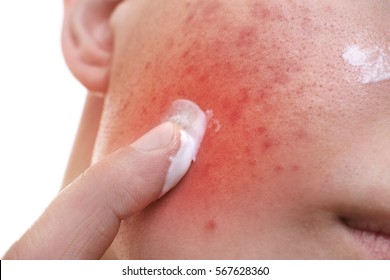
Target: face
x=295 y=160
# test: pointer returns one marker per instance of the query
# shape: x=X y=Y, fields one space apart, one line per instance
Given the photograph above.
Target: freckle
x=210 y=226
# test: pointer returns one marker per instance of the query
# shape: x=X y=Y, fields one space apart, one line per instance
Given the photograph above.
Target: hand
x=84 y=218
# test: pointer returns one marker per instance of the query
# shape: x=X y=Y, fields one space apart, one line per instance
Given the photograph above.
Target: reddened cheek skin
x=279 y=99
x=239 y=65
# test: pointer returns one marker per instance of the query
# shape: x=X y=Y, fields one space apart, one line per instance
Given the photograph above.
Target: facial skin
x=295 y=161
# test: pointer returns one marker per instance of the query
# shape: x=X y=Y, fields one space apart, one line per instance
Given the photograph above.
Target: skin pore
x=295 y=160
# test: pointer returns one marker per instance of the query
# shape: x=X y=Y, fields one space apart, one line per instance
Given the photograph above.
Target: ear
x=87 y=41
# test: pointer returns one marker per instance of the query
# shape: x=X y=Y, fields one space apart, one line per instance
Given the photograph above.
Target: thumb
x=83 y=220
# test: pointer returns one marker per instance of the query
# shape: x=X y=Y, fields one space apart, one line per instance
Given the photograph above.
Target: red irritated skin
x=296 y=147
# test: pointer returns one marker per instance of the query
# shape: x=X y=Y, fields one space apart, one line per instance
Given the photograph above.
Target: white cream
x=212 y=122
x=192 y=121
x=373 y=64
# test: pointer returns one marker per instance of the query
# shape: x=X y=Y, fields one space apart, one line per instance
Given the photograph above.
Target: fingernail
x=158 y=138
x=192 y=122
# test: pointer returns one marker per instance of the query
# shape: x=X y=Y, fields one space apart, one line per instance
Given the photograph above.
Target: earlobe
x=87 y=41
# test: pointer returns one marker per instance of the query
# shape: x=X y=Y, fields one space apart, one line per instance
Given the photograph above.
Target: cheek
x=253 y=73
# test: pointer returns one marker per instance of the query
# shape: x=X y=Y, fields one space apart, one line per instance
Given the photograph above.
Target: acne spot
x=248 y=151
x=201 y=12
x=147 y=66
x=207 y=171
x=329 y=9
x=144 y=110
x=202 y=78
x=295 y=168
x=278 y=168
x=211 y=226
x=189 y=18
x=243 y=96
x=170 y=43
x=235 y=114
x=301 y=134
x=267 y=145
x=258 y=11
x=190 y=70
x=261 y=130
x=185 y=54
x=210 y=9
x=252 y=163
x=247 y=36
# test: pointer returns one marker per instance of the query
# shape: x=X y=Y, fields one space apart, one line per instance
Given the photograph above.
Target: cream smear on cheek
x=192 y=121
x=372 y=63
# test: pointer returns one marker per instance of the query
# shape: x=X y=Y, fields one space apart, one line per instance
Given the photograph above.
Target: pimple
x=144 y=110
x=329 y=9
x=247 y=36
x=147 y=66
x=226 y=104
x=210 y=9
x=278 y=168
x=281 y=78
x=235 y=115
x=267 y=144
x=190 y=70
x=243 y=96
x=170 y=43
x=248 y=151
x=185 y=54
x=252 y=163
x=301 y=134
x=261 y=130
x=200 y=12
x=295 y=168
x=211 y=225
x=189 y=18
x=258 y=11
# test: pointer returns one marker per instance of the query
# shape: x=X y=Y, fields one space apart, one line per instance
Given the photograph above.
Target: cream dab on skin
x=212 y=122
x=192 y=121
x=373 y=64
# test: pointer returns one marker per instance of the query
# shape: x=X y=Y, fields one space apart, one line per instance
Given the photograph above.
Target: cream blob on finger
x=192 y=121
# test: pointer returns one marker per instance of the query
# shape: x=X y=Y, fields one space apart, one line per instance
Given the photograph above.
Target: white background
x=40 y=107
